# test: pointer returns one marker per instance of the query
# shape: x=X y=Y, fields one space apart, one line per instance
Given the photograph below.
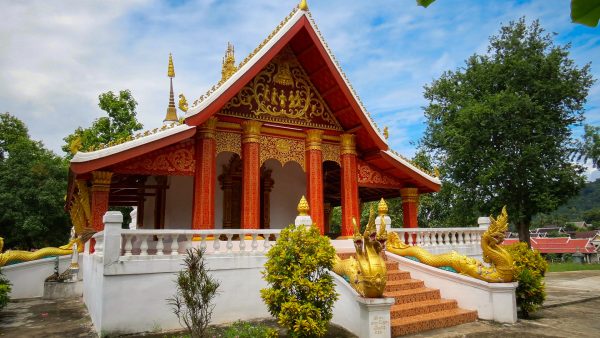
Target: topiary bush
x=301 y=291
x=530 y=268
x=4 y=291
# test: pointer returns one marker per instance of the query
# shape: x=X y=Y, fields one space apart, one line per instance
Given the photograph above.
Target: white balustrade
x=439 y=240
x=143 y=243
x=99 y=245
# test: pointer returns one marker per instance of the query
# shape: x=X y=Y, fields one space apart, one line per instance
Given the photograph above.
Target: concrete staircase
x=417 y=307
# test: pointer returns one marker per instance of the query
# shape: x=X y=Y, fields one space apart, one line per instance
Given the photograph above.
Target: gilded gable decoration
x=231 y=142
x=177 y=159
x=282 y=92
x=370 y=176
x=282 y=149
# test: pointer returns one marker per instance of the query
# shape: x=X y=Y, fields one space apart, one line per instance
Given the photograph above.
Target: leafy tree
x=33 y=181
x=589 y=148
x=196 y=290
x=500 y=128
x=530 y=269
x=301 y=291
x=120 y=123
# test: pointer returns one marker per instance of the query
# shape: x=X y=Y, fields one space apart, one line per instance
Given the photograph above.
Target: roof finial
x=171 y=116
x=171 y=70
x=382 y=207
x=228 y=62
x=303 y=5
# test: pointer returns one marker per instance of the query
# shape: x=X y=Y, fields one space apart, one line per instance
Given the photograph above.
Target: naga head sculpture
x=371 y=275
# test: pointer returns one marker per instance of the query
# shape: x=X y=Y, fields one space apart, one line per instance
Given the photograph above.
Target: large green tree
x=589 y=147
x=500 y=127
x=33 y=182
x=120 y=123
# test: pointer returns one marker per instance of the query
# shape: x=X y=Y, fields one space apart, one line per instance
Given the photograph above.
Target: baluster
x=266 y=243
x=242 y=245
x=460 y=237
x=277 y=236
x=446 y=240
x=427 y=238
x=128 y=245
x=188 y=242
x=469 y=238
x=434 y=238
x=144 y=246
x=254 y=242
x=203 y=242
x=160 y=246
x=175 y=245
x=229 y=243
x=419 y=238
x=99 y=246
x=216 y=242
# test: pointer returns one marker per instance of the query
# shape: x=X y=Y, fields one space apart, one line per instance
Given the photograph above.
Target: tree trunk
x=523 y=229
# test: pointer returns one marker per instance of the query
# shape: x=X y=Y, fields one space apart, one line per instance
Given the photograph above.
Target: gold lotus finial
x=382 y=207
x=303 y=207
x=171 y=70
x=303 y=5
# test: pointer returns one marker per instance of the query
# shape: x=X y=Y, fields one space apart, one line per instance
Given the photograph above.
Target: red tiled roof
x=557 y=245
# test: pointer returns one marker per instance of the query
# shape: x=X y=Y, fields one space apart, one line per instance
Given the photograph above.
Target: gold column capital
x=208 y=128
x=314 y=138
x=409 y=195
x=251 y=131
x=348 y=144
x=101 y=180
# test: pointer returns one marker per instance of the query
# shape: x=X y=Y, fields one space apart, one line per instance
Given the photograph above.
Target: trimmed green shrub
x=4 y=290
x=530 y=268
x=301 y=291
x=196 y=289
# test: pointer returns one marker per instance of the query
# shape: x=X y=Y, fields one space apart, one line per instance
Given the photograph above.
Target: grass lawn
x=561 y=267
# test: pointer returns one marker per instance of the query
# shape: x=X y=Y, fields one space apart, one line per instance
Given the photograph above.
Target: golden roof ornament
x=183 y=104
x=386 y=132
x=303 y=5
x=171 y=70
x=382 y=207
x=171 y=116
x=228 y=63
x=303 y=207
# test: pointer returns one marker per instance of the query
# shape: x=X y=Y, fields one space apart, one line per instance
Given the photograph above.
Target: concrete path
x=572 y=309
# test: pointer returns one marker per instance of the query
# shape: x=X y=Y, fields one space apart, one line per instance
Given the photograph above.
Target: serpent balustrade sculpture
x=81 y=232
x=366 y=273
x=500 y=269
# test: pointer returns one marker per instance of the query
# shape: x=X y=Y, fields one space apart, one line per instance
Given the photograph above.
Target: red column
x=410 y=206
x=314 y=177
x=100 y=192
x=251 y=174
x=205 y=176
x=350 y=207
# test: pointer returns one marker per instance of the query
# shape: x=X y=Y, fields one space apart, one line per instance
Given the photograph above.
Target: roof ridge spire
x=303 y=5
x=171 y=116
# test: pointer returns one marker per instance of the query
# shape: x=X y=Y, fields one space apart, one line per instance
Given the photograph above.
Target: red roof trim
x=85 y=167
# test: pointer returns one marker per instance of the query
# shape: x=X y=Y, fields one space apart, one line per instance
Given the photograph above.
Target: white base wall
x=493 y=301
x=27 y=278
x=130 y=296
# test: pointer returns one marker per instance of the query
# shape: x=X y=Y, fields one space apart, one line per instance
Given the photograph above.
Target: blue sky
x=57 y=57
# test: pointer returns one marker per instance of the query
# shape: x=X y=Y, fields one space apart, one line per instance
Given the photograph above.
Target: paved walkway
x=572 y=309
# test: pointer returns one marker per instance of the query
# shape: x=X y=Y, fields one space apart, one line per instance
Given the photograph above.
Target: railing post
x=484 y=222
x=112 y=236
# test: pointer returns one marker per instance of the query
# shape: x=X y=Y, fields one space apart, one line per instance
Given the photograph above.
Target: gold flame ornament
x=183 y=104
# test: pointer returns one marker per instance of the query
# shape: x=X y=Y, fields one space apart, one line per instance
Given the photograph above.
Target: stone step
x=413 y=295
x=397 y=275
x=430 y=321
x=418 y=308
x=391 y=266
x=403 y=284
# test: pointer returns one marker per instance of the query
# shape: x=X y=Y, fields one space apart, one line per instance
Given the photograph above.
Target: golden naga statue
x=11 y=256
x=82 y=231
x=500 y=269
x=367 y=274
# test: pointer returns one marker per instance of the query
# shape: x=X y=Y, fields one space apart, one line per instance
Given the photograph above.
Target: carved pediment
x=283 y=93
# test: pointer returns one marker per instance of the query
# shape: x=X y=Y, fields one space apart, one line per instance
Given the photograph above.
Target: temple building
x=283 y=123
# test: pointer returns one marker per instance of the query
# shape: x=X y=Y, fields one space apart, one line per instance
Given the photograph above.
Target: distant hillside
x=585 y=206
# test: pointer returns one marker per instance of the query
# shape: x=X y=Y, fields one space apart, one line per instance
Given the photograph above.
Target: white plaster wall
x=27 y=278
x=290 y=185
x=178 y=207
x=139 y=289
